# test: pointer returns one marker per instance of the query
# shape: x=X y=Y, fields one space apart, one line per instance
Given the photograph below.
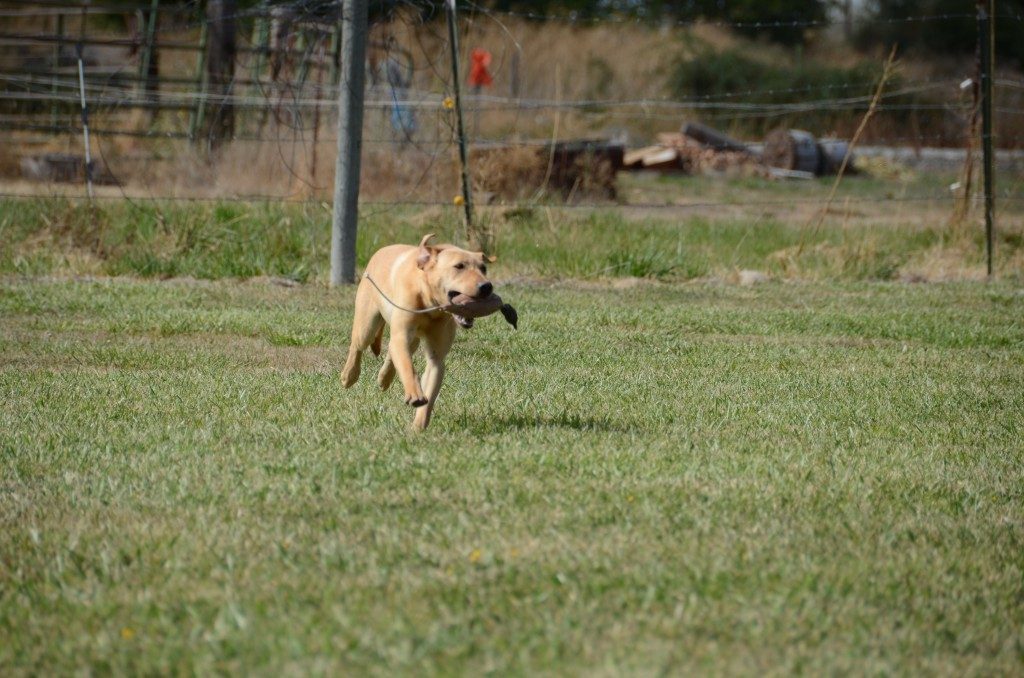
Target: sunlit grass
x=666 y=478
x=761 y=225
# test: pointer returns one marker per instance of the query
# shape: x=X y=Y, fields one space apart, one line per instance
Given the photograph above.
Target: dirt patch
x=254 y=353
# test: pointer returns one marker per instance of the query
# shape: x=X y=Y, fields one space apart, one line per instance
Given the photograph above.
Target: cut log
x=792 y=149
x=712 y=137
x=832 y=153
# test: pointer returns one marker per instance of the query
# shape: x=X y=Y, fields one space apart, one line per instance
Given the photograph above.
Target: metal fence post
x=986 y=30
x=350 y=141
x=85 y=107
x=453 y=40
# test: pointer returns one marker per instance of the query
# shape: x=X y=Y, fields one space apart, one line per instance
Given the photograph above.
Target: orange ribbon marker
x=478 y=75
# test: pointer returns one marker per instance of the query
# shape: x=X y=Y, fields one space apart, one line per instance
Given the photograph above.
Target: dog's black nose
x=484 y=289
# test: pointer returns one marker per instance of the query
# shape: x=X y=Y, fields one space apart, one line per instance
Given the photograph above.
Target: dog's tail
x=375 y=344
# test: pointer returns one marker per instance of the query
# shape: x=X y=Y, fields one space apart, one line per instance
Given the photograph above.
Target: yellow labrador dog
x=400 y=282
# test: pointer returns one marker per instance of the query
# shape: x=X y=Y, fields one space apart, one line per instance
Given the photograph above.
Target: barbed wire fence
x=204 y=101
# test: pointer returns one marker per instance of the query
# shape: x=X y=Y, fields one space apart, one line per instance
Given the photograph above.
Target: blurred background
x=747 y=110
x=226 y=98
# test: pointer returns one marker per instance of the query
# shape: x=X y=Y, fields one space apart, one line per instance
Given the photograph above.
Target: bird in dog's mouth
x=465 y=299
x=465 y=308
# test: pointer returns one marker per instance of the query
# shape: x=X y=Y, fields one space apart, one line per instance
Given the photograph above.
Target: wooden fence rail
x=212 y=94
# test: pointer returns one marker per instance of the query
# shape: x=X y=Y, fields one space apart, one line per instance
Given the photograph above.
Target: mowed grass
x=790 y=478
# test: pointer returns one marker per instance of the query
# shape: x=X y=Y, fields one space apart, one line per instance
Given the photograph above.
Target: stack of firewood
x=678 y=152
x=698 y=149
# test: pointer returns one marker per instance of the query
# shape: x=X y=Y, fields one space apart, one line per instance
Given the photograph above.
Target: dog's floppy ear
x=426 y=253
x=489 y=258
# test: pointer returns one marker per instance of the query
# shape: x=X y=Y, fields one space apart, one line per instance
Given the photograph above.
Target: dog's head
x=452 y=271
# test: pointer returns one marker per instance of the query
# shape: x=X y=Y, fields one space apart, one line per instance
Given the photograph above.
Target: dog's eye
x=460 y=266
x=483 y=269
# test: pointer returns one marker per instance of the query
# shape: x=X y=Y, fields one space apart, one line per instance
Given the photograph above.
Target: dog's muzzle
x=465 y=308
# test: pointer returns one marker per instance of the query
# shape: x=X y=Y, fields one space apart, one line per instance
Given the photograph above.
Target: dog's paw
x=386 y=376
x=415 y=400
x=349 y=376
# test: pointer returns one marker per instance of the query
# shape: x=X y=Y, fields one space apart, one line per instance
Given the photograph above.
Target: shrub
x=956 y=33
x=730 y=76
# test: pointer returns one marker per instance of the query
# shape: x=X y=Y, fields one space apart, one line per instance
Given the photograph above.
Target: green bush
x=955 y=33
x=730 y=76
x=720 y=74
x=784 y=21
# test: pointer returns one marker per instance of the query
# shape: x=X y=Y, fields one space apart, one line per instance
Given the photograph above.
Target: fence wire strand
x=282 y=96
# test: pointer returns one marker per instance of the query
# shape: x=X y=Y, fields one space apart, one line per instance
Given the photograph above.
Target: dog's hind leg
x=366 y=325
x=375 y=345
x=386 y=375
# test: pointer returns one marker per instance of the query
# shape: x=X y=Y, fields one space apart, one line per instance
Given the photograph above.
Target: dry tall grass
x=556 y=62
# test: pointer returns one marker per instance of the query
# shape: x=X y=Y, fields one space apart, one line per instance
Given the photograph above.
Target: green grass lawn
x=813 y=478
x=713 y=228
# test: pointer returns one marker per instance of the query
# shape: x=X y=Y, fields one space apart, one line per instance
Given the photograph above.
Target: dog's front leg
x=400 y=348
x=438 y=343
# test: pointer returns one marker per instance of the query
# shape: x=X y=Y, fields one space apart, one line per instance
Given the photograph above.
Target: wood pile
x=586 y=168
x=794 y=149
x=573 y=169
x=698 y=149
x=676 y=152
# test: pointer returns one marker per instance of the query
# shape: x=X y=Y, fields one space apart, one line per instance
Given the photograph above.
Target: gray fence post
x=467 y=195
x=986 y=29
x=350 y=141
x=221 y=18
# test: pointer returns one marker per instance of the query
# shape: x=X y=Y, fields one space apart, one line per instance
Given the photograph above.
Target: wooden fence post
x=221 y=49
x=198 y=112
x=54 y=109
x=149 y=71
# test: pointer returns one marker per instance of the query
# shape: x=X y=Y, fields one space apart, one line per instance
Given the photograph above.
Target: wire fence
x=206 y=101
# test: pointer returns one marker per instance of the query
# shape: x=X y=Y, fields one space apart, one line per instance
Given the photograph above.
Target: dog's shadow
x=500 y=423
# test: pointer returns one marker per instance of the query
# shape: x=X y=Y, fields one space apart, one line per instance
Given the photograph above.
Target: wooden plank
x=661 y=156
x=671 y=139
x=635 y=157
